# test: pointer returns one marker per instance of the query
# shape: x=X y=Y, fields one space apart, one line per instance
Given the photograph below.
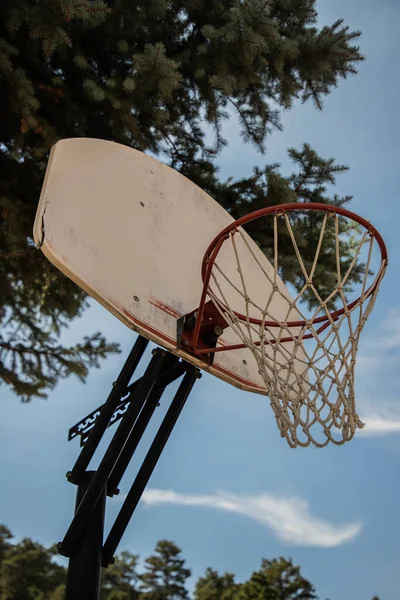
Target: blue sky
x=228 y=489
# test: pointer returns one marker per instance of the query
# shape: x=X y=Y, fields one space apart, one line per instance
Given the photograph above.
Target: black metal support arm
x=118 y=390
x=84 y=428
x=83 y=540
x=169 y=374
x=106 y=466
x=148 y=465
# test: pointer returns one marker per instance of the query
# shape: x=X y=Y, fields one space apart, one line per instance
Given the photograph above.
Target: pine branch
x=145 y=74
x=31 y=369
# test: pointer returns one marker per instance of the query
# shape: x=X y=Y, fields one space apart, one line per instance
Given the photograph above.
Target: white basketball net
x=310 y=382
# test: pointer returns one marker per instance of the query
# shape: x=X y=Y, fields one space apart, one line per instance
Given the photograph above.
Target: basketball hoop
x=305 y=362
x=251 y=328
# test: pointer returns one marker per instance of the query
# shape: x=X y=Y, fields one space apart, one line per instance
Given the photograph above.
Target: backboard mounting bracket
x=212 y=327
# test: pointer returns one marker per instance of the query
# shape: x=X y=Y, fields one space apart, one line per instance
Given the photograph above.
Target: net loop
x=306 y=361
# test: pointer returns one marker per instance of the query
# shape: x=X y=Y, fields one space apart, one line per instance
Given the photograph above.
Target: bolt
x=199 y=375
x=218 y=330
x=136 y=299
x=158 y=403
x=141 y=203
x=116 y=492
x=68 y=475
x=185 y=344
x=154 y=351
x=244 y=362
x=59 y=546
x=114 y=383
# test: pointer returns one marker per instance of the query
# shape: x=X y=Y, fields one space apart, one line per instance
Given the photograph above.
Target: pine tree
x=119 y=580
x=278 y=579
x=28 y=572
x=59 y=593
x=213 y=586
x=308 y=183
x=120 y=595
x=149 y=74
x=5 y=537
x=165 y=574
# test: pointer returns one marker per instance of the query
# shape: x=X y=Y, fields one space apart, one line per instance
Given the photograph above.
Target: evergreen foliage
x=278 y=579
x=28 y=571
x=165 y=574
x=120 y=580
x=58 y=593
x=5 y=537
x=149 y=74
x=213 y=586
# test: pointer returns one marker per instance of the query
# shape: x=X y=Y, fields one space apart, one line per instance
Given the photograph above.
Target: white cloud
x=390 y=331
x=377 y=425
x=380 y=420
x=288 y=518
x=376 y=377
x=366 y=363
x=381 y=347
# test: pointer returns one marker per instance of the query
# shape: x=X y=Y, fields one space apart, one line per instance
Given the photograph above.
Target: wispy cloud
x=383 y=343
x=377 y=425
x=380 y=420
x=379 y=361
x=382 y=346
x=389 y=335
x=288 y=518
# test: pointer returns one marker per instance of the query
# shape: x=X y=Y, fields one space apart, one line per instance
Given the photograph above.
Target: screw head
x=185 y=344
x=218 y=330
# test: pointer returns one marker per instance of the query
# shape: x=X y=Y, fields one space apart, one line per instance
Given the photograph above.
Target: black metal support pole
x=175 y=370
x=107 y=411
x=148 y=465
x=84 y=569
x=133 y=441
x=98 y=483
